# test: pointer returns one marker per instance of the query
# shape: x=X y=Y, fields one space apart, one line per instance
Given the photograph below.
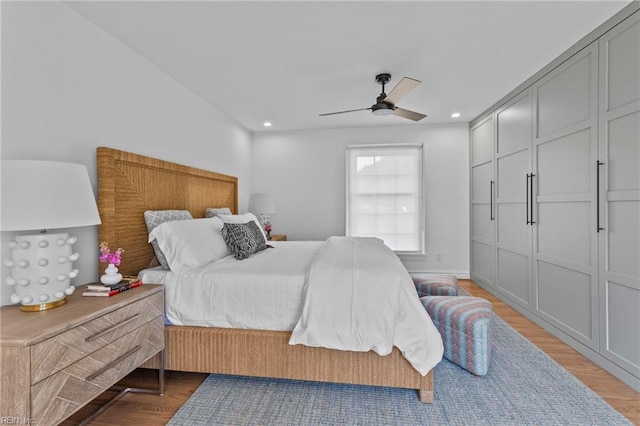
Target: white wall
x=305 y=173
x=67 y=88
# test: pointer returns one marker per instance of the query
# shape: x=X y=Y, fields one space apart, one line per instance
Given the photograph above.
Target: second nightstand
x=281 y=237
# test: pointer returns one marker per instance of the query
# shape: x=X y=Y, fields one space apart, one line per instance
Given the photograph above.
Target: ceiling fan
x=386 y=104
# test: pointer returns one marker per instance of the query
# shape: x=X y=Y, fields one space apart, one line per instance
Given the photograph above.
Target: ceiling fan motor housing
x=382 y=108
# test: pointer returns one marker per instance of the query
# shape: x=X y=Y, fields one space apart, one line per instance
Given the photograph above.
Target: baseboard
x=461 y=275
x=617 y=371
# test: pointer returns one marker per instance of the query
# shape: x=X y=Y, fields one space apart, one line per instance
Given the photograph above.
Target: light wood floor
x=156 y=410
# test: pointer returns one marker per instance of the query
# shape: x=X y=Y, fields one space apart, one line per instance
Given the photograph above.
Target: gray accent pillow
x=154 y=218
x=215 y=212
x=243 y=239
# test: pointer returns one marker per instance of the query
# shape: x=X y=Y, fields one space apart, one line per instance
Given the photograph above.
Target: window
x=384 y=195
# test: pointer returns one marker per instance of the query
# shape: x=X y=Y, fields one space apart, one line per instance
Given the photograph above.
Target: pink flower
x=267 y=227
x=110 y=257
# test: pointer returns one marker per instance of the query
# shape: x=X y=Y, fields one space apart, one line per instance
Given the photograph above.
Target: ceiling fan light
x=382 y=109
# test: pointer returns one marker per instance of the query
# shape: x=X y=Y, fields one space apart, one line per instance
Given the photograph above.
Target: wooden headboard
x=129 y=184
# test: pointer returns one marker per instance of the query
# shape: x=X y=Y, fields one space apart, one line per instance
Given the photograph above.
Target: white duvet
x=359 y=297
x=263 y=292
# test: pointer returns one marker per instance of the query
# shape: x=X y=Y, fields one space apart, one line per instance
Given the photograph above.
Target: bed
x=130 y=184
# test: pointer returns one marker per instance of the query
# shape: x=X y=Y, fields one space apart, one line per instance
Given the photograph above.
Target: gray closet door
x=513 y=168
x=482 y=207
x=619 y=241
x=564 y=156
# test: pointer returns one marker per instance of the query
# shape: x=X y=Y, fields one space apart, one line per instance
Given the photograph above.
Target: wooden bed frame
x=129 y=184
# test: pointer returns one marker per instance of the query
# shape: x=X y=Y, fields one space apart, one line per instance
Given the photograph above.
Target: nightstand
x=280 y=237
x=54 y=362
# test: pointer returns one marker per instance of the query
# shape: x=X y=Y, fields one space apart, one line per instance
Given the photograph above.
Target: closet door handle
x=598 y=164
x=531 y=222
x=526 y=190
x=491 y=200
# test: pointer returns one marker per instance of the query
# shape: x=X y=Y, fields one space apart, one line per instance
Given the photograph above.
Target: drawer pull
x=90 y=377
x=110 y=329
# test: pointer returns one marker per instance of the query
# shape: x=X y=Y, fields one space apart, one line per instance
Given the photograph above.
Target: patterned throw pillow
x=214 y=212
x=154 y=218
x=243 y=239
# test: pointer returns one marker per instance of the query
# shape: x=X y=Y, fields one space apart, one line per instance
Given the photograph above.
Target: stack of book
x=102 y=290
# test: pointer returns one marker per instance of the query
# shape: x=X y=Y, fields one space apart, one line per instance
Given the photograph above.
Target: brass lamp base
x=43 y=306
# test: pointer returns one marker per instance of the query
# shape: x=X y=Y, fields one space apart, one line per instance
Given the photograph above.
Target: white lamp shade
x=261 y=204
x=40 y=195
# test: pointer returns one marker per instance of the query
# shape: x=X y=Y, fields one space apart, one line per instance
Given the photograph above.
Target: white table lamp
x=42 y=195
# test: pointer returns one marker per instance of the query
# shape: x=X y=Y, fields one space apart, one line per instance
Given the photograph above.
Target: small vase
x=111 y=275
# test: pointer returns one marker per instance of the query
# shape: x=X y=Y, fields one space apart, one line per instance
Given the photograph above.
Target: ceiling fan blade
x=403 y=87
x=411 y=115
x=342 y=112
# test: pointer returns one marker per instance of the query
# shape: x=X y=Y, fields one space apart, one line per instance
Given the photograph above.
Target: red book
x=112 y=292
x=102 y=287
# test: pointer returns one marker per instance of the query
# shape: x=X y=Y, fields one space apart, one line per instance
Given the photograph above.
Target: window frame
x=376 y=151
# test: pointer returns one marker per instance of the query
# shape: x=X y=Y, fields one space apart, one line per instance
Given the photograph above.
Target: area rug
x=524 y=386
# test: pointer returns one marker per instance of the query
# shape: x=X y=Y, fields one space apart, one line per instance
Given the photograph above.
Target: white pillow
x=190 y=243
x=242 y=218
x=213 y=212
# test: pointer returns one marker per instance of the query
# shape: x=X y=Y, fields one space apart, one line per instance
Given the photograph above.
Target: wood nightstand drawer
x=57 y=353
x=87 y=345
x=61 y=394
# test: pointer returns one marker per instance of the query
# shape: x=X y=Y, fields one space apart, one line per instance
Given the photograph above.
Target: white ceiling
x=286 y=62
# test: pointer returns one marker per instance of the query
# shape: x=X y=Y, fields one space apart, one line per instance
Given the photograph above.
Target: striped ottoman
x=465 y=326
x=435 y=284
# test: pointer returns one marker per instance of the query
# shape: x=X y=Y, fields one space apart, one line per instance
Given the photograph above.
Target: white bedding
x=360 y=297
x=263 y=292
x=345 y=293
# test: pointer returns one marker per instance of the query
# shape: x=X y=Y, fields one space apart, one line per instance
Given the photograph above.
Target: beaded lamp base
x=41 y=270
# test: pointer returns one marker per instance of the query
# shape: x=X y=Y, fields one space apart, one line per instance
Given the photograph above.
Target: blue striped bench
x=465 y=326
x=435 y=284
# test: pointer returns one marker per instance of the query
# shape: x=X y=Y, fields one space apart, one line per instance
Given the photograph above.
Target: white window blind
x=384 y=195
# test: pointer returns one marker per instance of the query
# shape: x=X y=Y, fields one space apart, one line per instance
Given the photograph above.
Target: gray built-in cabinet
x=555 y=199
